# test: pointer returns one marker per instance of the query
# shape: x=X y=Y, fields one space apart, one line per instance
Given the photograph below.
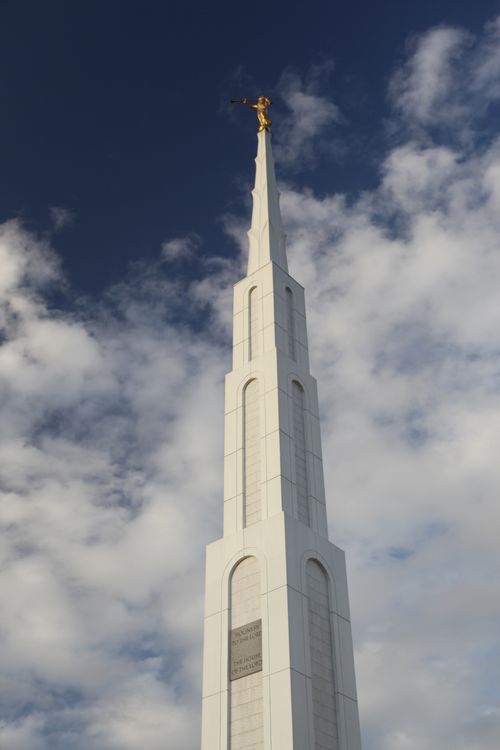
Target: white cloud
x=306 y=131
x=61 y=217
x=486 y=63
x=404 y=327
x=421 y=85
x=450 y=79
x=103 y=520
x=180 y=248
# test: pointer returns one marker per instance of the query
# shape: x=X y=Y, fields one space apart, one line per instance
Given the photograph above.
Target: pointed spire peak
x=266 y=235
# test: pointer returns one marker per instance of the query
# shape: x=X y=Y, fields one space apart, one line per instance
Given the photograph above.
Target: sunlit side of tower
x=278 y=669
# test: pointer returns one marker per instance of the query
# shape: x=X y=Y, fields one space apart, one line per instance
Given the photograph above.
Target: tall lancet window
x=321 y=650
x=290 y=323
x=246 y=701
x=251 y=454
x=299 y=436
x=253 y=324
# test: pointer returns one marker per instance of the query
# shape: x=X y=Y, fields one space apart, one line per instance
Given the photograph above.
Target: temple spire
x=266 y=235
x=278 y=665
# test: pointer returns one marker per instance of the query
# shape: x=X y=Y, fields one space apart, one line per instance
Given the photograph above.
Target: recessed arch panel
x=322 y=661
x=253 y=324
x=290 y=322
x=299 y=438
x=252 y=493
x=246 y=695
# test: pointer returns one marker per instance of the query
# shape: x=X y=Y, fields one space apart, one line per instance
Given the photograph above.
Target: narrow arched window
x=245 y=658
x=290 y=323
x=253 y=324
x=251 y=454
x=321 y=653
x=299 y=437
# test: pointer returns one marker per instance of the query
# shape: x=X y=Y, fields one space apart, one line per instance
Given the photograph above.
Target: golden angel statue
x=261 y=105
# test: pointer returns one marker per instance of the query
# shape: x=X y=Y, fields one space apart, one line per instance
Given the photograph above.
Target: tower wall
x=278 y=659
x=283 y=546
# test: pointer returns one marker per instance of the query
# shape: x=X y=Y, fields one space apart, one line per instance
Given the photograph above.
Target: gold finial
x=261 y=105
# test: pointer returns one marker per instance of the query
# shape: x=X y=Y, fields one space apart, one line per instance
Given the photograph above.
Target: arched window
x=299 y=436
x=253 y=324
x=251 y=454
x=290 y=323
x=321 y=652
x=246 y=699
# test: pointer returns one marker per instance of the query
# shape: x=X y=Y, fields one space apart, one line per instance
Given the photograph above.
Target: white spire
x=266 y=235
x=278 y=665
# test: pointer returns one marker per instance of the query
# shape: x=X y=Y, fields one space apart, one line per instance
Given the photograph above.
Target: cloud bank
x=103 y=519
x=306 y=129
x=106 y=410
x=451 y=79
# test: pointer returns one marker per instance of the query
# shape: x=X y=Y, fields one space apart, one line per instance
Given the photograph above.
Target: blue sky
x=117 y=111
x=124 y=204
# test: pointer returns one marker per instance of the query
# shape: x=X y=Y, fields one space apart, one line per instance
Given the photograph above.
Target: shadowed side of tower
x=278 y=669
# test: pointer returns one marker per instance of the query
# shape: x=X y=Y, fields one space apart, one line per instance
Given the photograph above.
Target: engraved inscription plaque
x=246 y=649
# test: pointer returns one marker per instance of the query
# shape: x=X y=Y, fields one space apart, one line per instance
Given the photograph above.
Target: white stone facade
x=274 y=563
